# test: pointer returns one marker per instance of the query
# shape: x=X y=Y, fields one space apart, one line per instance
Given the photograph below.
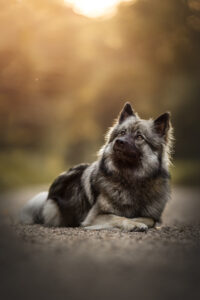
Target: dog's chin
x=126 y=159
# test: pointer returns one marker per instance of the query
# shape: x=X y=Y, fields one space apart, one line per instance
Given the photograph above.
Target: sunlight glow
x=94 y=8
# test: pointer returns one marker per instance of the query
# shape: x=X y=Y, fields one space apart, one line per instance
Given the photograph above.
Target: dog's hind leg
x=32 y=211
x=40 y=210
x=51 y=214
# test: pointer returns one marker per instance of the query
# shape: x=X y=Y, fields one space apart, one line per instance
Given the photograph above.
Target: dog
x=126 y=188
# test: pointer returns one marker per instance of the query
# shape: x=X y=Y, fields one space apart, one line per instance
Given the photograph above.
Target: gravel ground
x=71 y=263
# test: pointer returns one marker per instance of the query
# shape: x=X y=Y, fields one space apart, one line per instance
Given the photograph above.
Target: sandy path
x=62 y=263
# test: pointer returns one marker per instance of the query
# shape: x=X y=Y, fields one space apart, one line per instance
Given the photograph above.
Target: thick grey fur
x=130 y=178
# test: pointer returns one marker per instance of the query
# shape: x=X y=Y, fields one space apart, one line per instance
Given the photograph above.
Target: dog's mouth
x=131 y=153
x=128 y=151
x=130 y=158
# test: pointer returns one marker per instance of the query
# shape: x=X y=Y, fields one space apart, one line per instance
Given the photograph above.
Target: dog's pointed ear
x=126 y=112
x=162 y=124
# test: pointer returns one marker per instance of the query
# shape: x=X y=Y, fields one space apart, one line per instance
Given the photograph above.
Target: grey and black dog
x=126 y=188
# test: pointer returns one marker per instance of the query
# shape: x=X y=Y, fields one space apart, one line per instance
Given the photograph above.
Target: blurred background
x=67 y=67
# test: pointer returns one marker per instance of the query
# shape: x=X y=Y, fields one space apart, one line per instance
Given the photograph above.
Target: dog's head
x=137 y=144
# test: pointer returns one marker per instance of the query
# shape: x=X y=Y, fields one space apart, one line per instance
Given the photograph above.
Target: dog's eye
x=123 y=132
x=139 y=137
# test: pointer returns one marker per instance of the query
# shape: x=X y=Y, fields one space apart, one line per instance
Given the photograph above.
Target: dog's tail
x=32 y=211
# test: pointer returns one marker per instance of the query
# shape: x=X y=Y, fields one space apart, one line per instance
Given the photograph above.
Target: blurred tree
x=64 y=77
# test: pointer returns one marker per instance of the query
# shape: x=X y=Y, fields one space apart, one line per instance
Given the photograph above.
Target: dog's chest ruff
x=134 y=198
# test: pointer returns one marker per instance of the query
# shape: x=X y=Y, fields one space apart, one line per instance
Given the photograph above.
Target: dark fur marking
x=69 y=194
x=126 y=112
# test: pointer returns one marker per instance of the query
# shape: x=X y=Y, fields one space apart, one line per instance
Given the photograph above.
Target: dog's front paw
x=84 y=224
x=141 y=227
x=129 y=225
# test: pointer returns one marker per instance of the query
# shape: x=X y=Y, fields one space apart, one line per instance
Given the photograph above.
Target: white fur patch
x=33 y=208
x=51 y=214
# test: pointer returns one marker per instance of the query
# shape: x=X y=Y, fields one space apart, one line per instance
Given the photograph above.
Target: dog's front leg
x=101 y=207
x=147 y=221
x=110 y=221
x=98 y=218
x=91 y=216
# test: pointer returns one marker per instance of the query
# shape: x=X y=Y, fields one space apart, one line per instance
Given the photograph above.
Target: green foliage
x=18 y=168
x=186 y=172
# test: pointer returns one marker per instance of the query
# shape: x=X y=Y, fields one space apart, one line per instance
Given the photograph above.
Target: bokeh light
x=94 y=8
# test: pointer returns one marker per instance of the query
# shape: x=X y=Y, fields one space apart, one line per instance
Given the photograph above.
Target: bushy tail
x=32 y=211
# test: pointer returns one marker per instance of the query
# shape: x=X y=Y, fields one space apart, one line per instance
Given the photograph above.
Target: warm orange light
x=94 y=8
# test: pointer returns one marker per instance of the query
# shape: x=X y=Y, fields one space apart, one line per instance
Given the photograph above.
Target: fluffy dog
x=127 y=187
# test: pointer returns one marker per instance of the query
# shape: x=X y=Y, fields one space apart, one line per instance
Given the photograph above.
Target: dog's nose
x=120 y=142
